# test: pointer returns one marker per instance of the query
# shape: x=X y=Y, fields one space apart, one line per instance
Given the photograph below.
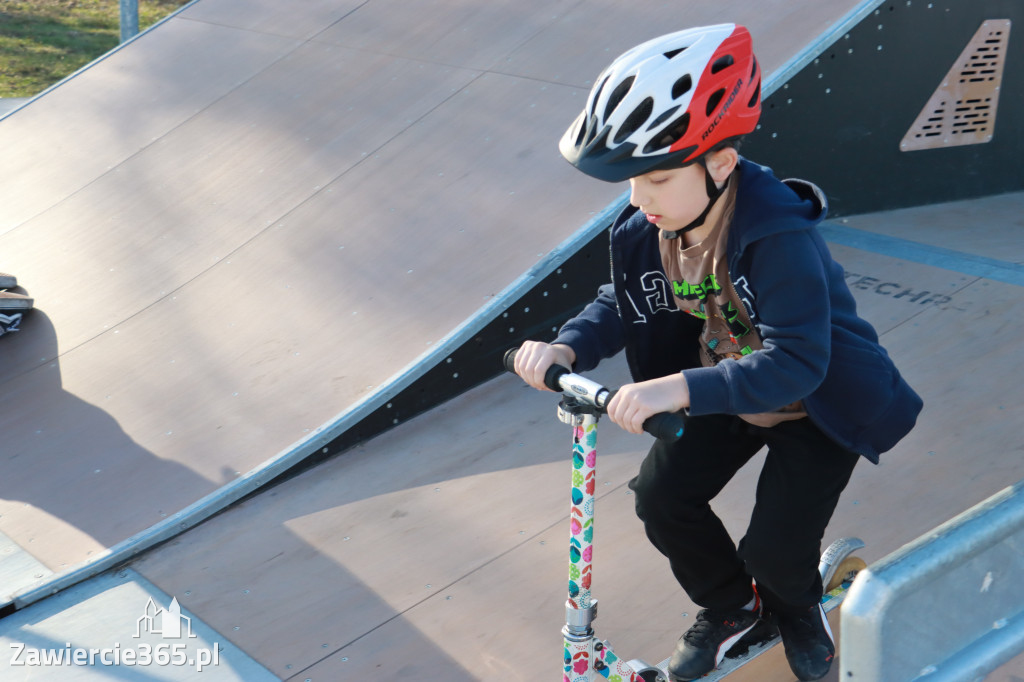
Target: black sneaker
x=810 y=646
x=704 y=645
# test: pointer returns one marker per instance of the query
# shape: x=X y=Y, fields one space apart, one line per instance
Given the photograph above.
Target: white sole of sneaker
x=723 y=649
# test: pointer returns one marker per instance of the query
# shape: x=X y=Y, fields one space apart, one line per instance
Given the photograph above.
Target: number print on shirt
x=658 y=298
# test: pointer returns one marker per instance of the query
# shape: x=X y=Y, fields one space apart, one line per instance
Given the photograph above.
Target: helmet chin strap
x=713 y=190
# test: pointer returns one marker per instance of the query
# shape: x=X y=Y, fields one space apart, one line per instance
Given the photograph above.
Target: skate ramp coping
x=947 y=606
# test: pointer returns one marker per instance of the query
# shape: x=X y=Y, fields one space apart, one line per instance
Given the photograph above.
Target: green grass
x=43 y=41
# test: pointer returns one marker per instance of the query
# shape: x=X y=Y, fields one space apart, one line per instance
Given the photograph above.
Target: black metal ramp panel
x=843 y=120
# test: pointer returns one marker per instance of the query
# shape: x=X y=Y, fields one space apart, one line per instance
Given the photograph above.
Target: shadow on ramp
x=89 y=472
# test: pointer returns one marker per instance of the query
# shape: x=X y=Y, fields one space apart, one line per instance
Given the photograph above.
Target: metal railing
x=948 y=606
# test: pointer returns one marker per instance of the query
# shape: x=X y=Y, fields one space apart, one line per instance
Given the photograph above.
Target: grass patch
x=43 y=41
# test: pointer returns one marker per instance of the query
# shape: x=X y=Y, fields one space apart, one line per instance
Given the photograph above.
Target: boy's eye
x=658 y=181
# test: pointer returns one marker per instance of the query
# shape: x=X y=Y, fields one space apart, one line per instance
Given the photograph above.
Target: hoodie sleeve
x=791 y=299
x=596 y=333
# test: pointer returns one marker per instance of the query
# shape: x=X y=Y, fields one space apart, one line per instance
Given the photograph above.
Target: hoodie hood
x=772 y=207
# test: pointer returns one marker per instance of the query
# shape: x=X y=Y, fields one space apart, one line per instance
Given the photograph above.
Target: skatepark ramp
x=258 y=237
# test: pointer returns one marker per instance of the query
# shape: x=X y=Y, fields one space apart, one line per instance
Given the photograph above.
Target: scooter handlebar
x=666 y=426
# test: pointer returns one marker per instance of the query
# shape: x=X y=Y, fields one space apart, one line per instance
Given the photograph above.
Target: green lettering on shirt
x=700 y=291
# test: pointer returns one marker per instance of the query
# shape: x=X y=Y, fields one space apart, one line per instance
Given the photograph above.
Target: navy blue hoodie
x=815 y=346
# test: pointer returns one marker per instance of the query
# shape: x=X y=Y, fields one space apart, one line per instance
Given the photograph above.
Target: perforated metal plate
x=962 y=110
x=840 y=118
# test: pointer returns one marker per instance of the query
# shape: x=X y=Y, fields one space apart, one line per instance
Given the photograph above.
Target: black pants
x=799 y=487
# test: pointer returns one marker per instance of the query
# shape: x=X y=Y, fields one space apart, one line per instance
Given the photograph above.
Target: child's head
x=666 y=103
x=678 y=200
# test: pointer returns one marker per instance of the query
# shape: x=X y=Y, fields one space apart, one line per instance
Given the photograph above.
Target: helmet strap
x=714 y=192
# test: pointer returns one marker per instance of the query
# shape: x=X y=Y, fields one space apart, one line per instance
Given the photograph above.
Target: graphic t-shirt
x=701 y=286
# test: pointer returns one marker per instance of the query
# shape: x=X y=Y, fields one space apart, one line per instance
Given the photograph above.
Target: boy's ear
x=721 y=163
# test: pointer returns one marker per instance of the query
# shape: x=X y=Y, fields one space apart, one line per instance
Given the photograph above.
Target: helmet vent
x=635 y=119
x=713 y=101
x=722 y=63
x=582 y=125
x=672 y=53
x=682 y=86
x=672 y=133
x=755 y=97
x=664 y=117
x=601 y=143
x=597 y=95
x=593 y=130
x=617 y=94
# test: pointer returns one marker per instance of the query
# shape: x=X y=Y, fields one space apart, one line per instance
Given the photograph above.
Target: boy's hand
x=634 y=403
x=534 y=358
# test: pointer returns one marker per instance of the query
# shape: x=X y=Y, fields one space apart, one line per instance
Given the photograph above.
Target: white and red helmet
x=666 y=103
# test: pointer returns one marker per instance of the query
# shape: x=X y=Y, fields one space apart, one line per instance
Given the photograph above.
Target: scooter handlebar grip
x=551 y=377
x=554 y=373
x=510 y=359
x=667 y=426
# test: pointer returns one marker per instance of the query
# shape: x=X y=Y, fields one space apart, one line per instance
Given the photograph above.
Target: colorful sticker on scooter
x=575 y=524
x=614 y=668
x=578 y=455
x=576 y=662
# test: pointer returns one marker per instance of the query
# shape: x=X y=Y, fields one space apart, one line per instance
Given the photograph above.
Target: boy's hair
x=731 y=143
x=666 y=103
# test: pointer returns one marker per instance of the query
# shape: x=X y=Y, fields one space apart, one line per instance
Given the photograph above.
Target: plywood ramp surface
x=250 y=219
x=437 y=551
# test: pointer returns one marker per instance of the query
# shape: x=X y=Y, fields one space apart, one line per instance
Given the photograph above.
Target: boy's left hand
x=634 y=403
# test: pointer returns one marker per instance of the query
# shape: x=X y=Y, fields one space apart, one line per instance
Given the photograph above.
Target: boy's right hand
x=535 y=357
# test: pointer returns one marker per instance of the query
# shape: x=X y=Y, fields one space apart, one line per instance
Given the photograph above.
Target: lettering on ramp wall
x=910 y=294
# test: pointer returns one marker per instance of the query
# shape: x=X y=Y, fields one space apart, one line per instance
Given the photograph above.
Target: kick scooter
x=586 y=658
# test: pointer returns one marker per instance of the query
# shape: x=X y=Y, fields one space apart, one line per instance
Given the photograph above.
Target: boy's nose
x=635 y=197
